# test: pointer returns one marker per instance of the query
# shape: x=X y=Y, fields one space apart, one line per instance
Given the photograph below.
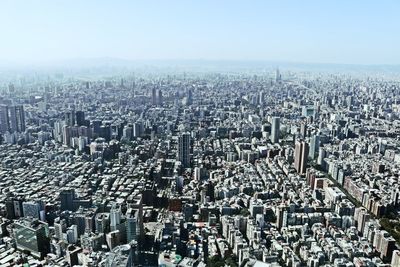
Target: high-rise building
x=33 y=236
x=395 y=259
x=80 y=118
x=72 y=255
x=132 y=225
x=159 y=99
x=133 y=87
x=67 y=135
x=69 y=118
x=4 y=119
x=154 y=96
x=300 y=156
x=261 y=98
x=102 y=221
x=275 y=130
x=67 y=198
x=138 y=129
x=281 y=216
x=189 y=96
x=115 y=217
x=72 y=234
x=303 y=129
x=127 y=132
x=12 y=118
x=278 y=76
x=59 y=228
x=184 y=149
x=31 y=209
x=314 y=146
x=113 y=239
x=124 y=255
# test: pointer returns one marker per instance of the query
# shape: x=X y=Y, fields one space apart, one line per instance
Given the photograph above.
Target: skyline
x=289 y=31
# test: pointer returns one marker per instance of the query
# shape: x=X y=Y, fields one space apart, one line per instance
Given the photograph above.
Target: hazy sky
x=323 y=31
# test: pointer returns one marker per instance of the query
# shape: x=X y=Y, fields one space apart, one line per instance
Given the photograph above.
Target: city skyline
x=199 y=133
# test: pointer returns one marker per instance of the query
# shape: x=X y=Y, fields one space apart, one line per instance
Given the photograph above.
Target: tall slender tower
x=154 y=96
x=184 y=149
x=4 y=119
x=70 y=118
x=80 y=118
x=278 y=76
x=314 y=146
x=275 y=130
x=300 y=156
x=159 y=98
x=17 y=118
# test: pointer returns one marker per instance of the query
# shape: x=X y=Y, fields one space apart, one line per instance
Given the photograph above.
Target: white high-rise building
x=115 y=217
x=275 y=130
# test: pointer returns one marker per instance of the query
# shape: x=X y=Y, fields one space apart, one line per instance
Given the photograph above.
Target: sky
x=304 y=31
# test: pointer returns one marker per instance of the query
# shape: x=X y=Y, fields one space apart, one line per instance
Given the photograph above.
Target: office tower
x=69 y=118
x=137 y=129
x=14 y=208
x=66 y=135
x=184 y=149
x=31 y=209
x=278 y=76
x=89 y=222
x=127 y=133
x=281 y=216
x=154 y=96
x=4 y=119
x=388 y=245
x=314 y=146
x=159 y=97
x=133 y=255
x=300 y=156
x=275 y=130
x=11 y=89
x=33 y=236
x=96 y=124
x=113 y=239
x=72 y=255
x=80 y=222
x=137 y=207
x=303 y=129
x=102 y=221
x=132 y=225
x=16 y=118
x=58 y=131
x=59 y=228
x=18 y=210
x=133 y=87
x=105 y=132
x=10 y=213
x=396 y=258
x=66 y=198
x=261 y=98
x=115 y=217
x=189 y=97
x=72 y=234
x=124 y=255
x=43 y=137
x=80 y=118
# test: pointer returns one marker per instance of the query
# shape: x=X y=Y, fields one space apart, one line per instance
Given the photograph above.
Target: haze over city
x=345 y=32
